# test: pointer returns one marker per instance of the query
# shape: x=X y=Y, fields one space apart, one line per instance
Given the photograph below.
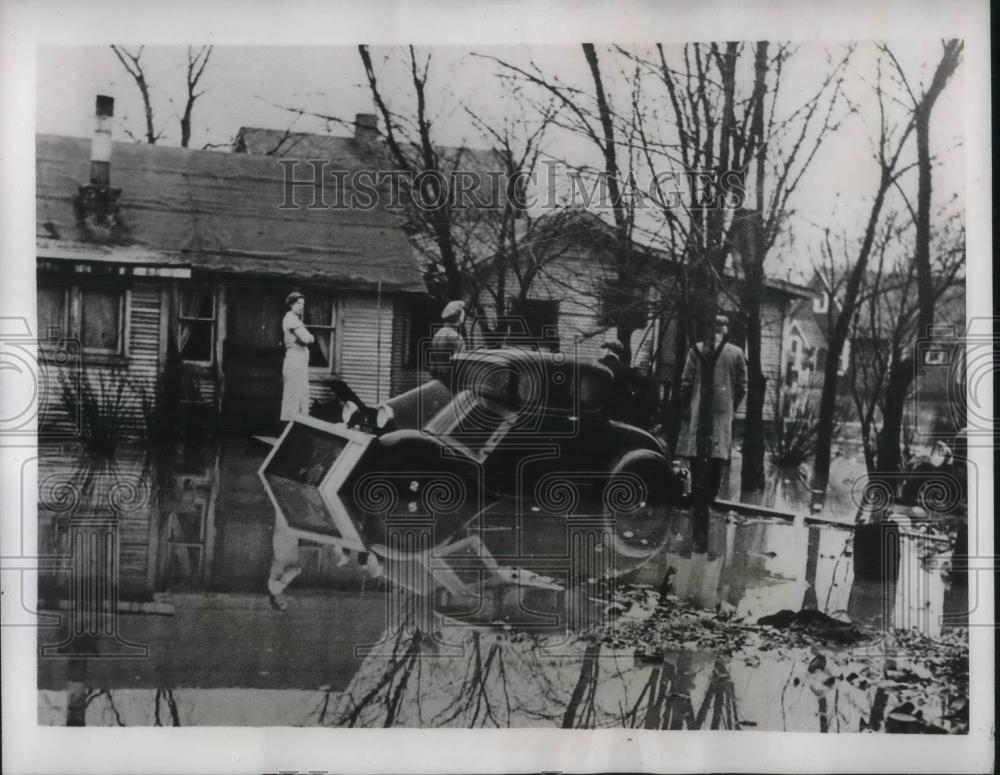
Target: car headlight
x=347 y=413
x=384 y=416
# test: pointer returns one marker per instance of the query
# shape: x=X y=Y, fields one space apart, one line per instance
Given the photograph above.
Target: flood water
x=487 y=634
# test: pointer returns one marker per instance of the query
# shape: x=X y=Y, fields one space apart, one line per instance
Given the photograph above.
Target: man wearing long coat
x=713 y=384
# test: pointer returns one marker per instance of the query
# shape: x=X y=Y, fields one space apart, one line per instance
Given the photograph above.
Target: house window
x=793 y=364
x=322 y=324
x=53 y=312
x=101 y=319
x=936 y=356
x=196 y=324
x=821 y=304
x=541 y=321
x=795 y=354
x=92 y=314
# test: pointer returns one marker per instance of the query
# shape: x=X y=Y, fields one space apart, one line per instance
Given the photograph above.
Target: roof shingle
x=220 y=211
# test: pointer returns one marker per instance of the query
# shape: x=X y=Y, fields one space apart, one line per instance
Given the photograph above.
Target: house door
x=252 y=359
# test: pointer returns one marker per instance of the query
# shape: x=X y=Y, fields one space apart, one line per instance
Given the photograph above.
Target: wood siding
x=132 y=508
x=139 y=364
x=573 y=281
x=364 y=364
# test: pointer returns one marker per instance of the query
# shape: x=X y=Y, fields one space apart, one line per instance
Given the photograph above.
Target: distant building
x=937 y=392
x=806 y=342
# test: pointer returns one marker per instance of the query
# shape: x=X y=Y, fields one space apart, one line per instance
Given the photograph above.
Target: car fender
x=637 y=463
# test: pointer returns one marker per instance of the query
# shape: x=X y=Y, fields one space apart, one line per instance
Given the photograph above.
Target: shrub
x=100 y=405
x=791 y=440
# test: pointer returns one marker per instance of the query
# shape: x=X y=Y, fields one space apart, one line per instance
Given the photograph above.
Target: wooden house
x=203 y=250
x=178 y=261
x=570 y=302
x=560 y=289
x=807 y=331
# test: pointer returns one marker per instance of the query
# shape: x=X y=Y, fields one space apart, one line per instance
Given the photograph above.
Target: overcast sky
x=253 y=86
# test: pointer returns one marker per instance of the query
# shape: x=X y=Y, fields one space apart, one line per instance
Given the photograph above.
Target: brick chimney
x=100 y=146
x=96 y=203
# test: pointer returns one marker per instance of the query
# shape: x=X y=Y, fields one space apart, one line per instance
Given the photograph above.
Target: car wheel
x=636 y=498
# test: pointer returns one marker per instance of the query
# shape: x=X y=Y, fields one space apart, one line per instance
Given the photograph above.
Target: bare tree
x=885 y=331
x=869 y=357
x=412 y=150
x=888 y=152
x=506 y=246
x=486 y=246
x=133 y=66
x=904 y=369
x=593 y=116
x=197 y=60
x=730 y=141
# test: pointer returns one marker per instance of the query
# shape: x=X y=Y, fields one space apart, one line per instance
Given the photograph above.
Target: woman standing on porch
x=295 y=371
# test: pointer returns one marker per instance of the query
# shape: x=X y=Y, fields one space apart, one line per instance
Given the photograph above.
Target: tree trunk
x=824 y=427
x=609 y=150
x=750 y=232
x=186 y=128
x=675 y=405
x=889 y=459
x=752 y=475
x=904 y=371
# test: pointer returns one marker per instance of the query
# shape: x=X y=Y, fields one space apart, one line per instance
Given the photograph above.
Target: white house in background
x=806 y=338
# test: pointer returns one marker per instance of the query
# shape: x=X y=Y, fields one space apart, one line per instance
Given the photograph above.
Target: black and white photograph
x=638 y=386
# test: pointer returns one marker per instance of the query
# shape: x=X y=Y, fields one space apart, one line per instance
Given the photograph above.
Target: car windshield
x=472 y=422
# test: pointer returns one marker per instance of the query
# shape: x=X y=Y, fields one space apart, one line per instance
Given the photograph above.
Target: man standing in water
x=713 y=384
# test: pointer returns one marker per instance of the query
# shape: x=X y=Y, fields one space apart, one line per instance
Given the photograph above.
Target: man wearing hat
x=712 y=386
x=447 y=341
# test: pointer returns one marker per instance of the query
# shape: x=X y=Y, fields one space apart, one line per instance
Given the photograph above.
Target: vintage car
x=518 y=433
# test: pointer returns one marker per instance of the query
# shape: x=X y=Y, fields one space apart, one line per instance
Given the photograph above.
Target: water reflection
x=678 y=648
x=481 y=634
x=499 y=682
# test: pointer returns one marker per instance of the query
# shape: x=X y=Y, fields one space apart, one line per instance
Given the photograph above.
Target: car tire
x=636 y=497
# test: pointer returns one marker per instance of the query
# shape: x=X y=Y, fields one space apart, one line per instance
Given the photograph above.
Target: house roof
x=219 y=213
x=810 y=331
x=589 y=227
x=788 y=288
x=350 y=153
x=343 y=153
